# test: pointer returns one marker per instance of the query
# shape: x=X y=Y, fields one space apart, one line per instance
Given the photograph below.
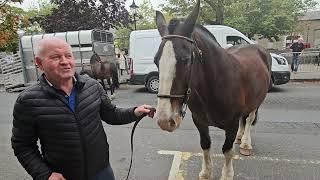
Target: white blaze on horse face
x=167 y=73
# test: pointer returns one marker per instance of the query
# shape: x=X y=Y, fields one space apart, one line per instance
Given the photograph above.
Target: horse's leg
x=245 y=146
x=205 y=142
x=111 y=88
x=228 y=151
x=110 y=85
x=240 y=131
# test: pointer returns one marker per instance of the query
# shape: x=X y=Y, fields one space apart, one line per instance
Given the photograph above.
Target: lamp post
x=134 y=9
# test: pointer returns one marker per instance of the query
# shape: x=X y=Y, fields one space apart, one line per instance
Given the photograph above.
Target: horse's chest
x=210 y=115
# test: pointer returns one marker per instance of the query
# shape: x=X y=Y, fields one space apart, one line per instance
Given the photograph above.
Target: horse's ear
x=191 y=20
x=161 y=24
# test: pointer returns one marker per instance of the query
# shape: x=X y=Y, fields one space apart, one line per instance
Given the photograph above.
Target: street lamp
x=134 y=8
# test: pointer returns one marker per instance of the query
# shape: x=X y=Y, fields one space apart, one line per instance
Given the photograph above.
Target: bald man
x=64 y=112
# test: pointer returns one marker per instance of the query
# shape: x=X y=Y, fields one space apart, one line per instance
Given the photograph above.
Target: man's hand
x=56 y=176
x=144 y=110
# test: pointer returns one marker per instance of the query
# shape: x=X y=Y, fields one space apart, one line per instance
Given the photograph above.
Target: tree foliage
x=146 y=16
x=267 y=18
x=11 y=19
x=73 y=15
x=211 y=10
x=145 y=20
x=4 y=2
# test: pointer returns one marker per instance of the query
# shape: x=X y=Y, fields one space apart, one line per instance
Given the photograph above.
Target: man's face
x=57 y=61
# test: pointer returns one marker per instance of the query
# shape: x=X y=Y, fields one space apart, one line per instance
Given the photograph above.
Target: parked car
x=144 y=44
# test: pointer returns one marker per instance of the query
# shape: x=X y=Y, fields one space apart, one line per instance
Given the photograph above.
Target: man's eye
x=55 y=57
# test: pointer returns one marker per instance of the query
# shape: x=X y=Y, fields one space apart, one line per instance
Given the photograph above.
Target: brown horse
x=221 y=87
x=103 y=70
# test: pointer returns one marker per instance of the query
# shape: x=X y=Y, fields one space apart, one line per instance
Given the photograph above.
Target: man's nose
x=64 y=60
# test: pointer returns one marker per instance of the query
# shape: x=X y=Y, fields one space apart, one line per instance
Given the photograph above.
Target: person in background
x=64 y=112
x=297 y=48
x=122 y=63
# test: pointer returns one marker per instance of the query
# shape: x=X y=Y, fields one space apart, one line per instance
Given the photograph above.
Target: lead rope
x=152 y=111
x=132 y=132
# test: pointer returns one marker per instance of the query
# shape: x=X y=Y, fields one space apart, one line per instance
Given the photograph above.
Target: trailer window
x=109 y=38
x=96 y=36
x=103 y=37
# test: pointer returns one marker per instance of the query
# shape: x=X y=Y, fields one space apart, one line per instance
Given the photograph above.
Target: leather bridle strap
x=178 y=36
x=170 y=96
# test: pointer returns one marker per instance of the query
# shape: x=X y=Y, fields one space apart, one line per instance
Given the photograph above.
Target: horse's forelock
x=173 y=24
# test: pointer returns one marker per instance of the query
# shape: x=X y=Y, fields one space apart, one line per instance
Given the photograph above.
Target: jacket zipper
x=82 y=139
x=83 y=147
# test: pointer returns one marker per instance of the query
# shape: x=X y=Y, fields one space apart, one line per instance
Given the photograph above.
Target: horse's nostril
x=172 y=123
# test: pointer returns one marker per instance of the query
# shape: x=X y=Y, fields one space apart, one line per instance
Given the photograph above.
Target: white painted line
x=174 y=171
x=264 y=158
x=175 y=164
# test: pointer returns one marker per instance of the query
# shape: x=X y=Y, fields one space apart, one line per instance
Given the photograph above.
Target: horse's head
x=174 y=59
x=95 y=58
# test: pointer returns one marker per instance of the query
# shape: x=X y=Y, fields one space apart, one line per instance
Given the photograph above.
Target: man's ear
x=39 y=62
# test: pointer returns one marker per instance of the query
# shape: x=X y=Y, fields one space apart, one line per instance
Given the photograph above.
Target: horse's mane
x=172 y=26
x=206 y=32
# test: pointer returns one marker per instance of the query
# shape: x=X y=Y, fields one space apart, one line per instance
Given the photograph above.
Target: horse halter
x=186 y=95
x=98 y=59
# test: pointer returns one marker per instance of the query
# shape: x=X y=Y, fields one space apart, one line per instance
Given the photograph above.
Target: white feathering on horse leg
x=227 y=170
x=207 y=166
x=245 y=146
x=240 y=132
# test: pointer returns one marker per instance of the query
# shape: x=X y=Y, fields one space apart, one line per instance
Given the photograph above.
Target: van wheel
x=153 y=84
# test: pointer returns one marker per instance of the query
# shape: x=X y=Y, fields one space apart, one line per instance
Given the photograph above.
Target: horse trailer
x=83 y=43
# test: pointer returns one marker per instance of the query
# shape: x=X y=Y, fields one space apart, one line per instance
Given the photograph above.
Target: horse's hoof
x=204 y=176
x=237 y=141
x=245 y=152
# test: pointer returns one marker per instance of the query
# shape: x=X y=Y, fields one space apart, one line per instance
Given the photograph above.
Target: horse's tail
x=115 y=77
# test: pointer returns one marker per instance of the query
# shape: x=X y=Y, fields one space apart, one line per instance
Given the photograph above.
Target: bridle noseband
x=186 y=95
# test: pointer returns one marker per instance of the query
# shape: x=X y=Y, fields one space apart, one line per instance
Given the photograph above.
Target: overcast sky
x=31 y=3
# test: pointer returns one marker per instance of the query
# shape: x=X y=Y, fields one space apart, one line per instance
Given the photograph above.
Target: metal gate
x=12 y=71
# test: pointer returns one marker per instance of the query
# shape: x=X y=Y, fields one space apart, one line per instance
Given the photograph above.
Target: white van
x=145 y=43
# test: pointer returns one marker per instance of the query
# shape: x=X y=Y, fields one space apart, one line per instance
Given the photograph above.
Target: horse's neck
x=213 y=62
x=210 y=48
x=205 y=40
